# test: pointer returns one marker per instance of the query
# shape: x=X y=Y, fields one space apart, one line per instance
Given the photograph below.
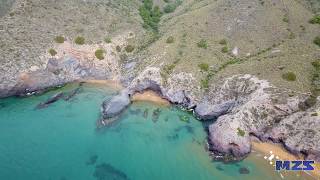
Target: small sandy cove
x=151 y=97
x=268 y=148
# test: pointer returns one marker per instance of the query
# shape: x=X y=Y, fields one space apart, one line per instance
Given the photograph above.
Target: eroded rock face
x=266 y=112
x=114 y=106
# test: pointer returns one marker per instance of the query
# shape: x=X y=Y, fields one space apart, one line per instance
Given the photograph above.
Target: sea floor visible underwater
x=148 y=142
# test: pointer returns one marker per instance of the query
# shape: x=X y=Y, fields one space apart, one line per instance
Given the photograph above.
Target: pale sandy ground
x=278 y=150
x=151 y=97
x=109 y=83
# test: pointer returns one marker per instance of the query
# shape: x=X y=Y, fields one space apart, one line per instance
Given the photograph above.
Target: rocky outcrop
x=243 y=106
x=49 y=101
x=57 y=72
x=114 y=106
x=266 y=112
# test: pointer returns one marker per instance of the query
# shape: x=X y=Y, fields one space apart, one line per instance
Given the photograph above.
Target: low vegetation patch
x=240 y=132
x=107 y=40
x=317 y=40
x=99 y=54
x=315 y=19
x=52 y=52
x=204 y=83
x=129 y=48
x=170 y=39
x=224 y=49
x=202 y=44
x=289 y=76
x=79 y=40
x=59 y=39
x=204 y=66
x=223 y=42
x=171 y=7
x=150 y=15
x=118 y=48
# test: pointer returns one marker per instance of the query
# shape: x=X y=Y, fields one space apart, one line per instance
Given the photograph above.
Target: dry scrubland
x=266 y=38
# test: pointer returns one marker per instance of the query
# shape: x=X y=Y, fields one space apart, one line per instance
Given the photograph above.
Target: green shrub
x=129 y=48
x=285 y=19
x=204 y=83
x=52 y=52
x=150 y=16
x=202 y=44
x=169 y=8
x=316 y=64
x=240 y=132
x=99 y=54
x=170 y=39
x=166 y=1
x=118 y=48
x=204 y=66
x=317 y=40
x=289 y=76
x=315 y=20
x=79 y=40
x=59 y=39
x=107 y=40
x=224 y=49
x=223 y=42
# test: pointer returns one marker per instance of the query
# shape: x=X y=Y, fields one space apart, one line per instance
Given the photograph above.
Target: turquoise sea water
x=61 y=142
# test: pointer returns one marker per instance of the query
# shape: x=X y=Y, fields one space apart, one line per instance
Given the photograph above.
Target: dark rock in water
x=189 y=129
x=166 y=119
x=145 y=113
x=155 y=115
x=2 y=105
x=49 y=101
x=244 y=170
x=219 y=168
x=71 y=94
x=114 y=106
x=92 y=160
x=107 y=172
x=184 y=118
x=135 y=112
x=173 y=137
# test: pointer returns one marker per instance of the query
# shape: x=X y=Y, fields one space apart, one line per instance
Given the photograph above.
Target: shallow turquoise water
x=61 y=142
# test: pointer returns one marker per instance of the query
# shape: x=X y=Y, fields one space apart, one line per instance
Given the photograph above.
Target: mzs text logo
x=295 y=165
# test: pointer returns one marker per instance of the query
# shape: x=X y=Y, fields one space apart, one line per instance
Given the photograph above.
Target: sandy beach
x=151 y=97
x=268 y=148
x=110 y=83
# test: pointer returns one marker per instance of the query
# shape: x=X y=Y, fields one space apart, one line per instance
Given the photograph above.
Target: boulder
x=114 y=106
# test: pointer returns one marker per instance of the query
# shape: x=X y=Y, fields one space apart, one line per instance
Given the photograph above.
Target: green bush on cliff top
x=52 y=52
x=59 y=39
x=99 y=54
x=79 y=40
x=289 y=76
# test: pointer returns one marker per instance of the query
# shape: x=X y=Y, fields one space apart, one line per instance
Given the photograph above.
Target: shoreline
x=110 y=83
x=268 y=149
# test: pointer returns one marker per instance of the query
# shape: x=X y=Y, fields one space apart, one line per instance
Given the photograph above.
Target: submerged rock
x=49 y=101
x=244 y=170
x=156 y=114
x=108 y=172
x=92 y=160
x=71 y=94
x=145 y=113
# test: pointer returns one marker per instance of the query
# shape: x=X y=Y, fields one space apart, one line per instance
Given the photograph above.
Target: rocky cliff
x=243 y=106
